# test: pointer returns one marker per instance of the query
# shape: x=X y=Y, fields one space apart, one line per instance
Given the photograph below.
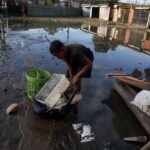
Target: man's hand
x=75 y=80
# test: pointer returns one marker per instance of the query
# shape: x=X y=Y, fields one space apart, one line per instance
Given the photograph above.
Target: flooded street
x=115 y=50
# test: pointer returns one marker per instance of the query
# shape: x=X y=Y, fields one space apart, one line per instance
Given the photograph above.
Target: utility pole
x=136 y=2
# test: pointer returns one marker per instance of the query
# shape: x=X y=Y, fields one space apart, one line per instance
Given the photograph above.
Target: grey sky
x=136 y=1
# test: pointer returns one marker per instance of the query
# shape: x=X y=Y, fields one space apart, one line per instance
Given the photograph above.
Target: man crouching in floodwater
x=79 y=60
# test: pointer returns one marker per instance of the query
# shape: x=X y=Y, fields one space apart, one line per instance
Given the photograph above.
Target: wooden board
x=131 y=80
x=116 y=74
x=128 y=94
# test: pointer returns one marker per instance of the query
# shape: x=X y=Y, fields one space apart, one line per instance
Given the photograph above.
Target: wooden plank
x=125 y=92
x=140 y=139
x=131 y=80
x=116 y=74
x=146 y=146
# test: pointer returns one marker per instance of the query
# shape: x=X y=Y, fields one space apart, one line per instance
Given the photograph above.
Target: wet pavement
x=116 y=50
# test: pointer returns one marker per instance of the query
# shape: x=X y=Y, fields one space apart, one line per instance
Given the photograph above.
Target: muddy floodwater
x=101 y=108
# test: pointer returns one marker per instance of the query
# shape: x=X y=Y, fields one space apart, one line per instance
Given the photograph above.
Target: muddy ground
x=25 y=47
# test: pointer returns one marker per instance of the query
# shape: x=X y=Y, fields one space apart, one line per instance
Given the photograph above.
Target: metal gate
x=140 y=17
x=123 y=17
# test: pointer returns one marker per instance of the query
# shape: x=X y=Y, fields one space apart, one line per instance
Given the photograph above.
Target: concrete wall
x=104 y=13
x=45 y=11
x=102 y=31
x=128 y=14
x=146 y=45
x=131 y=13
x=123 y=15
x=148 y=22
x=86 y=11
x=115 y=14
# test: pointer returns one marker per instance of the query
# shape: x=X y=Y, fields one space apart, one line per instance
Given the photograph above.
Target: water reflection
x=123 y=121
x=138 y=40
x=103 y=45
x=141 y=75
x=137 y=73
x=147 y=73
x=101 y=107
x=34 y=132
x=3 y=30
x=2 y=41
x=52 y=30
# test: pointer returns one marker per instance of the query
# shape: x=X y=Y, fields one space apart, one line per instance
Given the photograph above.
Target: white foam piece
x=84 y=131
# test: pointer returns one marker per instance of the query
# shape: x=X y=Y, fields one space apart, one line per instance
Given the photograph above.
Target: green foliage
x=49 y=2
x=98 y=1
x=46 y=2
x=52 y=30
x=103 y=45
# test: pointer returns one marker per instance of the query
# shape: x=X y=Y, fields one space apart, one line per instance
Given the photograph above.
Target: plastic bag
x=142 y=101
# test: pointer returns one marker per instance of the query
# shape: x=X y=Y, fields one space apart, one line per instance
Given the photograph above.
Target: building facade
x=136 y=15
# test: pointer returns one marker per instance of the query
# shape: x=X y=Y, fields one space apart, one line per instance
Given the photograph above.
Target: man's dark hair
x=56 y=46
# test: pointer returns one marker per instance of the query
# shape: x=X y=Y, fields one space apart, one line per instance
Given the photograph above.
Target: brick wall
x=146 y=45
x=131 y=12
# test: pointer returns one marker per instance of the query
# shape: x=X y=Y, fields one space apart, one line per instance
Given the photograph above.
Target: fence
x=45 y=11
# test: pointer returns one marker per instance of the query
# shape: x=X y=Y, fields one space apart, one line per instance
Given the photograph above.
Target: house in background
x=69 y=3
x=137 y=15
x=86 y=10
x=137 y=40
x=100 y=11
x=146 y=42
x=141 y=15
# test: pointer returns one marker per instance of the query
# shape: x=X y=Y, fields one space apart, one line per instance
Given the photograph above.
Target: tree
x=137 y=73
x=98 y=1
x=103 y=45
x=47 y=2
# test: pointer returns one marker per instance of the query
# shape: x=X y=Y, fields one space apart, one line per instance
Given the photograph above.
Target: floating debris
x=146 y=146
x=142 y=101
x=5 y=90
x=85 y=132
x=141 y=139
x=108 y=145
x=118 y=68
x=12 y=108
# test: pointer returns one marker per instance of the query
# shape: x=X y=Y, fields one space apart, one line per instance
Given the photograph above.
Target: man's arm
x=88 y=65
x=70 y=70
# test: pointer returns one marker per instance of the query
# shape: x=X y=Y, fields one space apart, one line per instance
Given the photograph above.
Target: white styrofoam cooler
x=52 y=91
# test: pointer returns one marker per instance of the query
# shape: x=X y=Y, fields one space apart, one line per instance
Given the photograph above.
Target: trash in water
x=142 y=101
x=85 y=132
x=141 y=139
x=52 y=91
x=5 y=90
x=12 y=108
x=108 y=145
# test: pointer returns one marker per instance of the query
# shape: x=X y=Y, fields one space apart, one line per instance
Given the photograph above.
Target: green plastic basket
x=35 y=79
